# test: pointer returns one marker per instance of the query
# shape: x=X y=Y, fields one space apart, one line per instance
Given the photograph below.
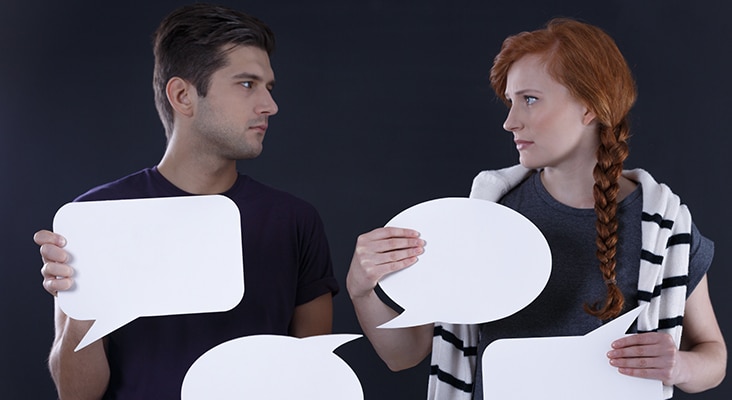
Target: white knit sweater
x=666 y=228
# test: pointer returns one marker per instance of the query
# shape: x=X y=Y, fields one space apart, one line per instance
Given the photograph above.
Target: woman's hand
x=650 y=355
x=378 y=253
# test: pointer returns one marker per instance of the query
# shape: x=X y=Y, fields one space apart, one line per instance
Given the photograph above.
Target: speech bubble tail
x=617 y=327
x=333 y=341
x=99 y=329
x=401 y=321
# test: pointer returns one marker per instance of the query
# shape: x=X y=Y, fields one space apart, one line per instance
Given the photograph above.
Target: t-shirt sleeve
x=700 y=258
x=316 y=266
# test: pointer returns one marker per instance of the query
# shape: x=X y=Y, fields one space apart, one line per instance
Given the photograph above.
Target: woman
x=569 y=90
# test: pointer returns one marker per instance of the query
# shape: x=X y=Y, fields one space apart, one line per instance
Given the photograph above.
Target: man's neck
x=197 y=176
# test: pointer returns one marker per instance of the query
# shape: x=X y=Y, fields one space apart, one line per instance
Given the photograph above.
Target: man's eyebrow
x=248 y=75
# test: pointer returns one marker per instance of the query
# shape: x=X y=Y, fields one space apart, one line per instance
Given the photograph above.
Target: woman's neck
x=570 y=187
x=575 y=188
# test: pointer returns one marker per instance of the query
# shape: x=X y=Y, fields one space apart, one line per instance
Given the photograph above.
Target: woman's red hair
x=588 y=63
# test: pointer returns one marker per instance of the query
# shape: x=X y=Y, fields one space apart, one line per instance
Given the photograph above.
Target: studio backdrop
x=383 y=105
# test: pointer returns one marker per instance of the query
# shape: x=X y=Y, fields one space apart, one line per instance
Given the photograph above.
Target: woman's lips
x=522 y=144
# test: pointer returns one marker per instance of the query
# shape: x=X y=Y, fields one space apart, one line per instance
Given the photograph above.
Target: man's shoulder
x=264 y=194
x=136 y=185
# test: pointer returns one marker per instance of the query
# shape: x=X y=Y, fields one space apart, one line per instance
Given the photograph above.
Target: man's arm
x=313 y=318
x=78 y=375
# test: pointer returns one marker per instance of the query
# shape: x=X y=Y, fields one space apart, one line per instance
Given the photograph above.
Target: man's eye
x=247 y=84
x=530 y=100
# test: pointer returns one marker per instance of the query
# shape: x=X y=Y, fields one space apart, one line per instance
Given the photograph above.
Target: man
x=213 y=83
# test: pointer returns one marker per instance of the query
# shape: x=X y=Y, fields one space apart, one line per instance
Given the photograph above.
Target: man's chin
x=248 y=154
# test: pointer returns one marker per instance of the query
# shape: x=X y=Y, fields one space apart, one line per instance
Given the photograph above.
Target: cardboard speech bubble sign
x=568 y=367
x=149 y=257
x=272 y=367
x=482 y=262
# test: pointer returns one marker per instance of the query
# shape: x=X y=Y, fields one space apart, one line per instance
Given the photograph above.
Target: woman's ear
x=182 y=95
x=588 y=117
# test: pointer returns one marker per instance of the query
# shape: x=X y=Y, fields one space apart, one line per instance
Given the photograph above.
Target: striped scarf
x=663 y=276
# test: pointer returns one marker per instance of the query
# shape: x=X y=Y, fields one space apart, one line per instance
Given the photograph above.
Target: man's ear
x=182 y=95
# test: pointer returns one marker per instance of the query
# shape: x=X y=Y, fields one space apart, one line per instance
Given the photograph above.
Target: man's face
x=231 y=120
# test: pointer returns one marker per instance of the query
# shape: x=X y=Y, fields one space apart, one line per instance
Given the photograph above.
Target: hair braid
x=613 y=150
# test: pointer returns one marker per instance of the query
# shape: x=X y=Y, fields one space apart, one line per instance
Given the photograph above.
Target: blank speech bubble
x=272 y=367
x=482 y=262
x=571 y=367
x=148 y=257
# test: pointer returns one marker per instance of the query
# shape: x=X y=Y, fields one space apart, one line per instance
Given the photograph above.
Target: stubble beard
x=226 y=139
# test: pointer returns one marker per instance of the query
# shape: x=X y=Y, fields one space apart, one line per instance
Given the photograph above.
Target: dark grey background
x=383 y=104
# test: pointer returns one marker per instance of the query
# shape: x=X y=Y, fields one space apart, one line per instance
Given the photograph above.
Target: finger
x=641 y=339
x=645 y=373
x=396 y=256
x=47 y=237
x=375 y=265
x=56 y=271
x=639 y=362
x=390 y=247
x=386 y=246
x=390 y=232
x=643 y=356
x=54 y=254
x=376 y=272
x=664 y=375
x=54 y=285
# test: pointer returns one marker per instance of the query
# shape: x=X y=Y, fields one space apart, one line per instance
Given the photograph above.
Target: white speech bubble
x=272 y=367
x=482 y=262
x=570 y=367
x=149 y=257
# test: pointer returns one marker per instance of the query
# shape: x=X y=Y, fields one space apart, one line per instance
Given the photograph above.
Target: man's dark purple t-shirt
x=286 y=263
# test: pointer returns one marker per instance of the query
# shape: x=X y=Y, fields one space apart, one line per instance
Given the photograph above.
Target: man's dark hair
x=191 y=43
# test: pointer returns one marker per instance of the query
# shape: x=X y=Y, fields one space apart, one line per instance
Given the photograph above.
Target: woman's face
x=550 y=127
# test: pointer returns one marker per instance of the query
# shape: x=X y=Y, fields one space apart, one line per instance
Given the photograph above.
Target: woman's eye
x=530 y=100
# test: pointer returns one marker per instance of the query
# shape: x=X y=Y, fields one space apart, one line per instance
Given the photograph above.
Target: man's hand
x=56 y=273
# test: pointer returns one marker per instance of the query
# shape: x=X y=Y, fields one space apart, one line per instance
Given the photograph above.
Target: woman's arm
x=699 y=365
x=378 y=253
